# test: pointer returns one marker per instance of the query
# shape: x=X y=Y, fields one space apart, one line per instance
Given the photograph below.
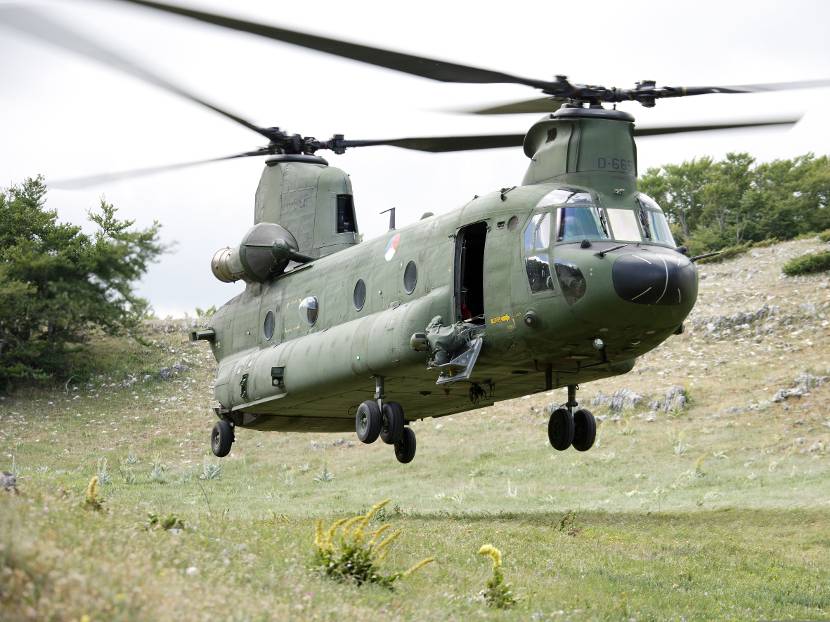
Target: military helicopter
x=563 y=279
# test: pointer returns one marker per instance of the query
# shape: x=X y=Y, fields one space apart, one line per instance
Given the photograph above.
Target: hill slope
x=716 y=507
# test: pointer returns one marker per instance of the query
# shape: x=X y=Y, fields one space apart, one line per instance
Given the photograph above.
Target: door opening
x=469 y=273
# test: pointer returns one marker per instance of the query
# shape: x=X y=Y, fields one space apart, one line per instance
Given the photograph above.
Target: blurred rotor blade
x=407 y=63
x=681 y=129
x=752 y=88
x=35 y=24
x=539 y=104
x=95 y=180
x=439 y=144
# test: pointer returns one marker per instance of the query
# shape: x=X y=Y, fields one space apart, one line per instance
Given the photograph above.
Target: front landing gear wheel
x=367 y=421
x=561 y=429
x=392 y=422
x=221 y=438
x=405 y=447
x=585 y=430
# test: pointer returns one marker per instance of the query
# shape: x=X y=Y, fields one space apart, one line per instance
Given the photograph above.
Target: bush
x=347 y=552
x=824 y=236
x=808 y=264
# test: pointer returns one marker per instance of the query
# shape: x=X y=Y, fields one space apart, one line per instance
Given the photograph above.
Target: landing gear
x=376 y=418
x=392 y=423
x=367 y=421
x=585 y=430
x=405 y=447
x=221 y=438
x=568 y=427
x=561 y=429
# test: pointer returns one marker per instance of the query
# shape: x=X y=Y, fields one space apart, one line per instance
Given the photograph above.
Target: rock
x=803 y=383
x=8 y=481
x=619 y=400
x=674 y=400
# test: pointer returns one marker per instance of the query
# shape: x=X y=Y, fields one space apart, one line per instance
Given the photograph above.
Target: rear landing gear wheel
x=561 y=429
x=405 y=447
x=392 y=422
x=585 y=430
x=367 y=421
x=221 y=438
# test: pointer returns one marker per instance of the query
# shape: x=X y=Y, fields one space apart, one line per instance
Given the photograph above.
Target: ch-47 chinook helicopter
x=561 y=280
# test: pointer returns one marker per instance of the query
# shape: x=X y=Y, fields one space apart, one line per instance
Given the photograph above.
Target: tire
x=221 y=438
x=367 y=421
x=585 y=430
x=405 y=447
x=391 y=423
x=561 y=429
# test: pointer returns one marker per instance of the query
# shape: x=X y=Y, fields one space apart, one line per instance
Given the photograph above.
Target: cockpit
x=572 y=216
x=576 y=216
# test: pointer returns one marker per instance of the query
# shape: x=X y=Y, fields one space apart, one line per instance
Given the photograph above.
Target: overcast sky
x=64 y=116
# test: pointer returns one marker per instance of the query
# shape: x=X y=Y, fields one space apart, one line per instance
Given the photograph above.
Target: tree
x=58 y=284
x=736 y=200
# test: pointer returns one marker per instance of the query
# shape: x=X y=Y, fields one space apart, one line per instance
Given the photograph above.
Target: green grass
x=707 y=514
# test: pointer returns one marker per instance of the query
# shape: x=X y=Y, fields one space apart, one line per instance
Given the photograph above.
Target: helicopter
x=565 y=278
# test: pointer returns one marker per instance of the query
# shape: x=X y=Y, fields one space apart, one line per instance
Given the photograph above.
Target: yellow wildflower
x=493 y=553
x=419 y=565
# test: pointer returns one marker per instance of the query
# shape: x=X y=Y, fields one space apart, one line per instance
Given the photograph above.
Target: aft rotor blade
x=440 y=144
x=707 y=127
x=35 y=24
x=422 y=66
x=97 y=180
x=537 y=105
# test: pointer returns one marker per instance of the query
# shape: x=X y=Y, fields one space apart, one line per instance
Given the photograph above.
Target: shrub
x=808 y=264
x=168 y=523
x=824 y=236
x=497 y=593
x=346 y=551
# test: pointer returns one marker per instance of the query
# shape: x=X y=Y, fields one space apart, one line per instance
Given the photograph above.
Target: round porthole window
x=309 y=310
x=268 y=325
x=410 y=277
x=359 y=294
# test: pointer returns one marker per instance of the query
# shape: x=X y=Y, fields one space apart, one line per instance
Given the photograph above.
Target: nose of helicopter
x=654 y=279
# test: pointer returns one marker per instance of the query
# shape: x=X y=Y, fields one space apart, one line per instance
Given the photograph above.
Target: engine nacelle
x=264 y=253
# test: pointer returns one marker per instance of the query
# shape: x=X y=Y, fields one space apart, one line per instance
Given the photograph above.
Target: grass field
x=720 y=510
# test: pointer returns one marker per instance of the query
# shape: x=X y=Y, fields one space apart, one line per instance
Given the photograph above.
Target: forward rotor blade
x=537 y=105
x=440 y=144
x=96 y=180
x=681 y=129
x=36 y=24
x=407 y=63
x=752 y=88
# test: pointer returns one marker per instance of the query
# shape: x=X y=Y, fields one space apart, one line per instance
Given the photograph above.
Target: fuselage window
x=268 y=325
x=309 y=309
x=624 y=225
x=359 y=294
x=410 y=277
x=345 y=214
x=537 y=259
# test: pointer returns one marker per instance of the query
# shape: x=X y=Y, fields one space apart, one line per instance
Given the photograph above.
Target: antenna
x=391 y=211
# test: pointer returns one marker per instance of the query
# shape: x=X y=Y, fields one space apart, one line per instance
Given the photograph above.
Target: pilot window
x=575 y=224
x=345 y=214
x=624 y=225
x=537 y=259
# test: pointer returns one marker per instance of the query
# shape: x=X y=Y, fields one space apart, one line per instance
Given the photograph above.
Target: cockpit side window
x=654 y=221
x=537 y=258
